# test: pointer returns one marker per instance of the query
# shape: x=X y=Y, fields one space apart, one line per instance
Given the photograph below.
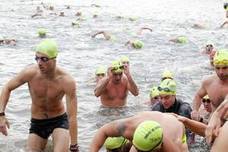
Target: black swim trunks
x=45 y=127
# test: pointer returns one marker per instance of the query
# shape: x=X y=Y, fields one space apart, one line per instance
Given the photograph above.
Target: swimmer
x=179 y=39
x=167 y=75
x=114 y=87
x=100 y=73
x=137 y=44
x=147 y=131
x=48 y=84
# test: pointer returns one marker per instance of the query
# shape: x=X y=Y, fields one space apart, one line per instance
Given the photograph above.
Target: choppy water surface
x=80 y=54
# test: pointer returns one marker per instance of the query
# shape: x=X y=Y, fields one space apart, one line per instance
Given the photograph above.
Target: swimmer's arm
x=198 y=97
x=108 y=130
x=106 y=35
x=146 y=28
x=21 y=78
x=128 y=42
x=226 y=22
x=169 y=146
x=222 y=110
x=132 y=87
x=94 y=35
x=195 y=126
x=173 y=40
x=98 y=140
x=101 y=86
x=71 y=105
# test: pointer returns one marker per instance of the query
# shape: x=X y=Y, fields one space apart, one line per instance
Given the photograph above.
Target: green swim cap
x=182 y=39
x=117 y=66
x=133 y=18
x=167 y=87
x=48 y=47
x=137 y=44
x=42 y=32
x=221 y=58
x=148 y=136
x=113 y=38
x=124 y=59
x=167 y=74
x=114 y=142
x=154 y=92
x=100 y=70
x=75 y=23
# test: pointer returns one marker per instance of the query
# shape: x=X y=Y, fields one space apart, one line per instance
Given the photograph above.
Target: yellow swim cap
x=167 y=87
x=154 y=92
x=48 y=47
x=182 y=39
x=124 y=59
x=114 y=142
x=133 y=18
x=148 y=136
x=42 y=32
x=117 y=66
x=137 y=44
x=206 y=97
x=221 y=58
x=100 y=70
x=167 y=74
x=113 y=38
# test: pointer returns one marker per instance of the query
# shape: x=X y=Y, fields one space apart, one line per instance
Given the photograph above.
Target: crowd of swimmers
x=140 y=132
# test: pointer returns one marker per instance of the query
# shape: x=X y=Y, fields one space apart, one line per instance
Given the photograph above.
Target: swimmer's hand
x=195 y=115
x=4 y=124
x=212 y=129
x=126 y=70
x=179 y=117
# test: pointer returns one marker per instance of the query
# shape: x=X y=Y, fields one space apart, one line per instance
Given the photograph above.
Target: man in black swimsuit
x=47 y=84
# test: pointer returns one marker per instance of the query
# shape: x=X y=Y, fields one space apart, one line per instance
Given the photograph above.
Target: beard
x=223 y=77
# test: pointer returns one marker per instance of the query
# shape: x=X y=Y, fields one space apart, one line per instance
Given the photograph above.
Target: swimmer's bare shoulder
x=26 y=74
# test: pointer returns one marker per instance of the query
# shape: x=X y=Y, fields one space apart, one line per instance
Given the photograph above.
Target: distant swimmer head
x=114 y=142
x=221 y=58
x=167 y=87
x=42 y=32
x=209 y=46
x=225 y=6
x=148 y=136
x=137 y=44
x=154 y=92
x=206 y=99
x=182 y=39
x=117 y=67
x=124 y=60
x=167 y=75
x=100 y=70
x=48 y=47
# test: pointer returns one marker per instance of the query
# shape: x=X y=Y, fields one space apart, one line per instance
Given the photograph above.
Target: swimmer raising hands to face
x=114 y=87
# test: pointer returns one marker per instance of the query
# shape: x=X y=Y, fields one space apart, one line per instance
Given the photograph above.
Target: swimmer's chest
x=44 y=88
x=117 y=91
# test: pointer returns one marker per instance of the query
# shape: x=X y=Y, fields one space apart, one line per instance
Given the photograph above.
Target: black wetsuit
x=179 y=107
